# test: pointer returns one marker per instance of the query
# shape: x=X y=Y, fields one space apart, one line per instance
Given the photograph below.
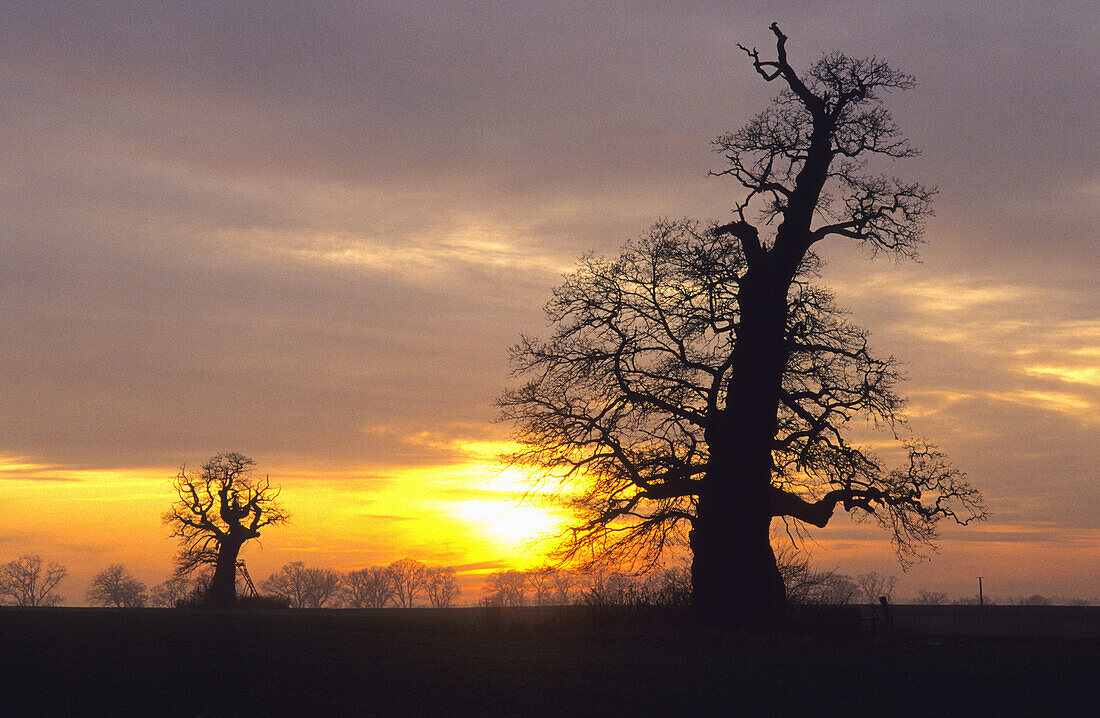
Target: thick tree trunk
x=223 y=589
x=735 y=579
x=734 y=574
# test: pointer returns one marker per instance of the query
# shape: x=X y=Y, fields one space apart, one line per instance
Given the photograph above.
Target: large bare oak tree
x=218 y=510
x=700 y=385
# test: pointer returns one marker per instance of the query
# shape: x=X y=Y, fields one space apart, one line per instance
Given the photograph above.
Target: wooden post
x=981 y=599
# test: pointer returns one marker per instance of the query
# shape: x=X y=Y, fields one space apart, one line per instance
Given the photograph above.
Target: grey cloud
x=248 y=226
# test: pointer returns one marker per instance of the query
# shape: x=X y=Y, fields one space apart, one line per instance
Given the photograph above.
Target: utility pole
x=981 y=599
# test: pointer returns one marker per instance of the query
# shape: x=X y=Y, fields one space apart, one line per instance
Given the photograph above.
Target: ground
x=934 y=661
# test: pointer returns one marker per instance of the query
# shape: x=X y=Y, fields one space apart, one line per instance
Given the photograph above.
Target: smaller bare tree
x=507 y=588
x=304 y=587
x=1035 y=599
x=669 y=587
x=114 y=586
x=172 y=593
x=565 y=582
x=872 y=587
x=931 y=598
x=25 y=582
x=611 y=588
x=370 y=587
x=441 y=586
x=808 y=585
x=541 y=581
x=408 y=580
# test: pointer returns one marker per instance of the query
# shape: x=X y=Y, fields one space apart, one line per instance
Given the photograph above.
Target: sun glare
x=505 y=521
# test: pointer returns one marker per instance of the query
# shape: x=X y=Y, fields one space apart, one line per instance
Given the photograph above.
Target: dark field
x=931 y=661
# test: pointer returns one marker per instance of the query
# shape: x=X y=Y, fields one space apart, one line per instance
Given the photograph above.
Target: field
x=568 y=661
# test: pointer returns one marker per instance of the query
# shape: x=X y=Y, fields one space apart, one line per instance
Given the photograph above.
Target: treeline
x=28 y=581
x=404 y=584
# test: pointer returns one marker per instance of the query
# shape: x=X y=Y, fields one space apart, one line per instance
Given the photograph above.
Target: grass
x=934 y=661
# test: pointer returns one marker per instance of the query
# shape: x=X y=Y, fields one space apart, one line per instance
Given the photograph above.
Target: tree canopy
x=620 y=398
x=702 y=382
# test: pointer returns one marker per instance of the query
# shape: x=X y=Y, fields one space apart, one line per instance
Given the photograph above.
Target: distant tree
x=837 y=590
x=217 y=511
x=541 y=581
x=506 y=588
x=872 y=586
x=173 y=593
x=700 y=384
x=408 y=580
x=931 y=598
x=669 y=587
x=973 y=601
x=612 y=588
x=114 y=586
x=370 y=587
x=25 y=582
x=304 y=587
x=441 y=586
x=1034 y=599
x=565 y=582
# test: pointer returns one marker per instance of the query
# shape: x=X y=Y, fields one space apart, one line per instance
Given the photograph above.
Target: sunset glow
x=310 y=234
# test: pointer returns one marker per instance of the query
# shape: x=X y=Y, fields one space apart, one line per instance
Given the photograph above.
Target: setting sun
x=515 y=524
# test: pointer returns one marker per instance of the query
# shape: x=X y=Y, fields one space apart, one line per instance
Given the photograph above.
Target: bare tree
x=1036 y=599
x=698 y=385
x=613 y=588
x=408 y=580
x=174 y=592
x=565 y=582
x=541 y=581
x=806 y=584
x=931 y=598
x=217 y=511
x=26 y=582
x=507 y=588
x=441 y=586
x=872 y=587
x=669 y=587
x=838 y=590
x=304 y=587
x=114 y=586
x=370 y=587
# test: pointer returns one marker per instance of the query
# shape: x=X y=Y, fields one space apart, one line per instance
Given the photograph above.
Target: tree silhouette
x=441 y=586
x=114 y=586
x=304 y=587
x=370 y=587
x=408 y=577
x=699 y=385
x=541 y=581
x=218 y=510
x=174 y=592
x=873 y=586
x=931 y=598
x=507 y=588
x=26 y=582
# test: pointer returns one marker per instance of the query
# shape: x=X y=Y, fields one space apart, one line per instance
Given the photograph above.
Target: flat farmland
x=556 y=661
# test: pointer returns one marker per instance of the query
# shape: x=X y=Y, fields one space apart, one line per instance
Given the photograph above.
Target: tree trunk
x=735 y=579
x=223 y=589
x=734 y=574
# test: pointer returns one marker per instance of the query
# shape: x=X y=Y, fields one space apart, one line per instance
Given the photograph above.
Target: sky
x=309 y=232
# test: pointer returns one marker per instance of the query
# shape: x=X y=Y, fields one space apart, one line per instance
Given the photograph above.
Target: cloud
x=310 y=233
